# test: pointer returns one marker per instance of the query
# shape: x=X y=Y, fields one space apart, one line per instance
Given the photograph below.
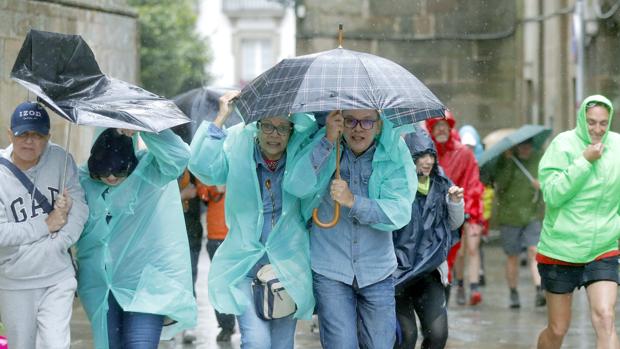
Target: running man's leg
x=558 y=317
x=602 y=297
x=559 y=281
x=601 y=282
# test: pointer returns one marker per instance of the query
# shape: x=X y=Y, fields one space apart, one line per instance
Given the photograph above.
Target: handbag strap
x=41 y=199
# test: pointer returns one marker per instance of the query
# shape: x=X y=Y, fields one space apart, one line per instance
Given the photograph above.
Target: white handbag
x=270 y=298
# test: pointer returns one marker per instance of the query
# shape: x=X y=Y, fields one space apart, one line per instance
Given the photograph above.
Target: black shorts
x=564 y=279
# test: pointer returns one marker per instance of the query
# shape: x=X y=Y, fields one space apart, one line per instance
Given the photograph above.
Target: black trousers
x=226 y=321
x=426 y=298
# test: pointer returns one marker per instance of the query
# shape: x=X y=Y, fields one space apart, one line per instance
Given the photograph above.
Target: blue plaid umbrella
x=339 y=79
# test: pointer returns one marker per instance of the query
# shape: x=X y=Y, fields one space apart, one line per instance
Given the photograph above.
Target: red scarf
x=271 y=164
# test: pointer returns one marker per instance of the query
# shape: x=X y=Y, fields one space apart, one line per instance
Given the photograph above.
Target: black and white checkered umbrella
x=339 y=79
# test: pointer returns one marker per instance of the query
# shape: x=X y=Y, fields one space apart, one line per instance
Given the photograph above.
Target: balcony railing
x=240 y=7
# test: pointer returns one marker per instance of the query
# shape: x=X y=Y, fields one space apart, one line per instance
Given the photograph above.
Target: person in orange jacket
x=216 y=230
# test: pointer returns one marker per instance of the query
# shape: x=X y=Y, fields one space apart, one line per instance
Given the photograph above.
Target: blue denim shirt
x=352 y=250
x=271 y=191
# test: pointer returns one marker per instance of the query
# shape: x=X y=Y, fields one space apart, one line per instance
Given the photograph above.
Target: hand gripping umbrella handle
x=315 y=212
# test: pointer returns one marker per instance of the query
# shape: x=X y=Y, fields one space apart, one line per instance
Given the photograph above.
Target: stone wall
x=464 y=51
x=603 y=69
x=472 y=54
x=108 y=26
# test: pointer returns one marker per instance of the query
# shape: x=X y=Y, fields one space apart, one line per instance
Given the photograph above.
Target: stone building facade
x=109 y=27
x=495 y=63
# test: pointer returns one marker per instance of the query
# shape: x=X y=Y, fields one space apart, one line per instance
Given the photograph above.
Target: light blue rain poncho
x=391 y=160
x=231 y=161
x=468 y=136
x=142 y=255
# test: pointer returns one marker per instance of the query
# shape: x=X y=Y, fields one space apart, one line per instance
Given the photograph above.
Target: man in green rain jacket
x=580 y=181
x=519 y=213
x=264 y=220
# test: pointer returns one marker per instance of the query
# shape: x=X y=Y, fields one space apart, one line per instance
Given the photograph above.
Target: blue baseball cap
x=30 y=116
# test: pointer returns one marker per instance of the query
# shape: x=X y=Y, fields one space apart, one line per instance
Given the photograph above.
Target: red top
x=460 y=165
x=542 y=259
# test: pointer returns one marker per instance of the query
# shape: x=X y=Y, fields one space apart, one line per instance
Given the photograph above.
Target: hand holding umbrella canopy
x=203 y=103
x=62 y=71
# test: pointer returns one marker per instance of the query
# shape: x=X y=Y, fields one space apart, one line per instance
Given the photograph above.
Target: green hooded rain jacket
x=582 y=198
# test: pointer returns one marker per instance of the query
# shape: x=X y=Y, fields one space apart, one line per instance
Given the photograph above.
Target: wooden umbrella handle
x=315 y=217
x=315 y=212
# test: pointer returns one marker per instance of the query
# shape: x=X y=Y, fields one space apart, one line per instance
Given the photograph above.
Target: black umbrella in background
x=202 y=104
x=62 y=71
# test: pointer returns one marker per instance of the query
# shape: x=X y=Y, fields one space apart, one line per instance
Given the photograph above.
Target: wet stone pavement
x=489 y=325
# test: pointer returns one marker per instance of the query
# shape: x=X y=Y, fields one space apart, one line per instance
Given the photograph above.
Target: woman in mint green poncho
x=264 y=220
x=135 y=278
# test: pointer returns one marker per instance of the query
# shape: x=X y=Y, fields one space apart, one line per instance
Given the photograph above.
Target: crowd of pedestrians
x=409 y=222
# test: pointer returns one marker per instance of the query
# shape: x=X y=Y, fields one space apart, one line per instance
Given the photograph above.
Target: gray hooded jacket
x=29 y=256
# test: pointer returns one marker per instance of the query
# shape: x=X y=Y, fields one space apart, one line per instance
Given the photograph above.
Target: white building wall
x=224 y=34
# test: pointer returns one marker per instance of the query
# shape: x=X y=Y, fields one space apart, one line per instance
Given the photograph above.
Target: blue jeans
x=261 y=334
x=352 y=317
x=132 y=330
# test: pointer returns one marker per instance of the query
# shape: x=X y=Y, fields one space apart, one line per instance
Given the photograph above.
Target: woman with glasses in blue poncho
x=264 y=220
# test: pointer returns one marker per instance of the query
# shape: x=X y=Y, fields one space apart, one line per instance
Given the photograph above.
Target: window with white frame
x=256 y=56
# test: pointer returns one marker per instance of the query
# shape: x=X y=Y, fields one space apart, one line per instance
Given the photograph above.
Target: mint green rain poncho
x=582 y=220
x=230 y=161
x=393 y=182
x=142 y=255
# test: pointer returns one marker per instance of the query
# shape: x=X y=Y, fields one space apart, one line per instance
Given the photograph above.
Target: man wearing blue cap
x=37 y=227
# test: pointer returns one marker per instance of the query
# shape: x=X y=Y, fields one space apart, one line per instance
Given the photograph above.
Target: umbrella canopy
x=339 y=79
x=202 y=104
x=537 y=133
x=495 y=136
x=62 y=71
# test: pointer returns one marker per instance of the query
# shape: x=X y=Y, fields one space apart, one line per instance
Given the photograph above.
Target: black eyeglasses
x=266 y=128
x=365 y=124
x=117 y=174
